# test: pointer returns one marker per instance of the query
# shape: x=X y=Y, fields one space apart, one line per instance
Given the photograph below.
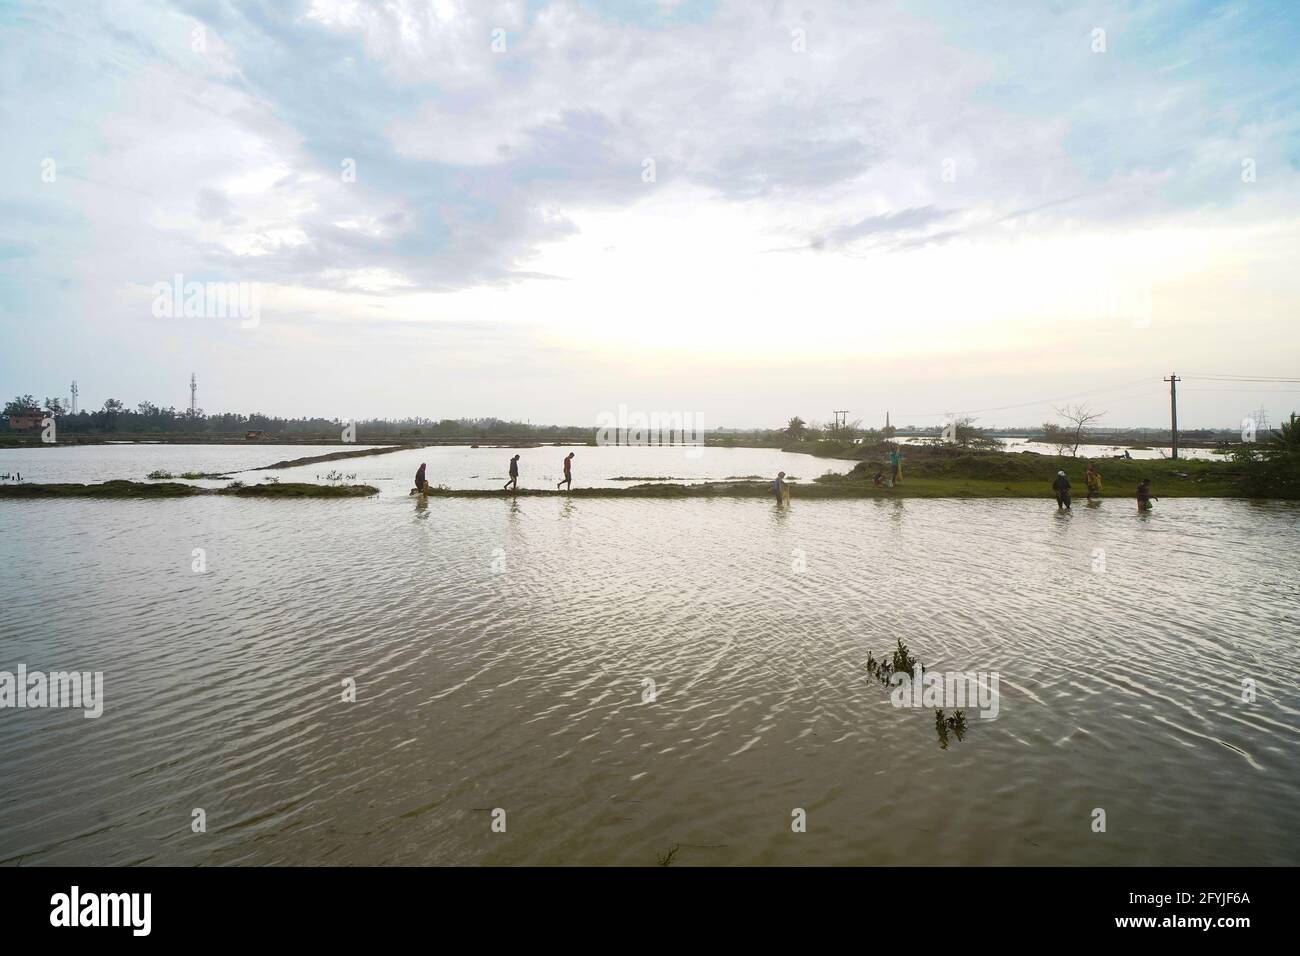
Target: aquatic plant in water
x=942 y=725
x=902 y=661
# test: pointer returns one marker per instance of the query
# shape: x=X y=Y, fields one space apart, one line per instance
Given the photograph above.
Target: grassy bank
x=943 y=473
x=931 y=471
x=170 y=489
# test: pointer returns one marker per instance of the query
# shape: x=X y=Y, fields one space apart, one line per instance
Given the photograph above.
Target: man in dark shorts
x=514 y=474
x=1062 y=488
x=568 y=475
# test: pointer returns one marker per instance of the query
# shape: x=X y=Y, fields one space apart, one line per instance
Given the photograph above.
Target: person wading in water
x=1144 y=495
x=1062 y=488
x=781 y=488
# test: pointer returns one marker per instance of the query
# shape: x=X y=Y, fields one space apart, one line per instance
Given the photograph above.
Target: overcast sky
x=743 y=210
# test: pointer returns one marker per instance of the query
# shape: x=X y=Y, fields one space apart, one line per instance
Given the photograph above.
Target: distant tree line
x=114 y=417
x=150 y=419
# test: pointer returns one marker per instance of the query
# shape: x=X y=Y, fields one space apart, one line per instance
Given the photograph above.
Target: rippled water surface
x=500 y=652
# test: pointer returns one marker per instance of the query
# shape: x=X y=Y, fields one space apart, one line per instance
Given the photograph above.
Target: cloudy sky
x=750 y=210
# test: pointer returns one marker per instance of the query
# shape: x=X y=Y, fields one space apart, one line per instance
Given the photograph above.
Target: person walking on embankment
x=568 y=474
x=1092 y=478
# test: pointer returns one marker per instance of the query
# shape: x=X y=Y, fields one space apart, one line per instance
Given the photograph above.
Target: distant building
x=254 y=436
x=23 y=419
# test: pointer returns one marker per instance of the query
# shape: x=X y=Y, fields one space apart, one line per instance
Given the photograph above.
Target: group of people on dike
x=781 y=488
x=422 y=484
x=1092 y=481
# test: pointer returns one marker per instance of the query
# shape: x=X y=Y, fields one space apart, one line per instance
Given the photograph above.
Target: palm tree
x=797 y=428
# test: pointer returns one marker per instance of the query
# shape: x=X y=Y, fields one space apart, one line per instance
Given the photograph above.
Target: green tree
x=22 y=403
x=796 y=429
x=1273 y=470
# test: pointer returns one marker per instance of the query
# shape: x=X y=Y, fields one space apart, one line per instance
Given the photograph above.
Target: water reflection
x=896 y=508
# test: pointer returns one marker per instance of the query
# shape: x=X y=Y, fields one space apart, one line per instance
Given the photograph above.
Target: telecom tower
x=194 y=389
x=74 y=396
x=1261 y=420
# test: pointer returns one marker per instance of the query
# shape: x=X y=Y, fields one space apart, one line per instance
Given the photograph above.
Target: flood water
x=502 y=653
x=455 y=466
x=88 y=464
x=1094 y=452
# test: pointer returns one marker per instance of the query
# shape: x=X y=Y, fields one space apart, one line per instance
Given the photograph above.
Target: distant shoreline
x=825 y=449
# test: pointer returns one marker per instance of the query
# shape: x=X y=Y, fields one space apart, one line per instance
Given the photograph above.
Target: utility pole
x=841 y=419
x=1173 y=381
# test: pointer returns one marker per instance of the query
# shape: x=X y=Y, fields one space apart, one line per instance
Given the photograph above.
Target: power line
x=1241 y=378
x=1257 y=391
x=1118 y=388
x=1043 y=401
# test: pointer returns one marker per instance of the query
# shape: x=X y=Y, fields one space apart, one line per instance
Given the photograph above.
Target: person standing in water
x=514 y=474
x=1062 y=488
x=1092 y=478
x=780 y=488
x=568 y=474
x=421 y=485
x=1144 y=495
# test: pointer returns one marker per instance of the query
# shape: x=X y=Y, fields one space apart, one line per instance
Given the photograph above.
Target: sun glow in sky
x=744 y=210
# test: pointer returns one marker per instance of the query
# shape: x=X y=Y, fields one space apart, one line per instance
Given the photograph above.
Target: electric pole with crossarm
x=1173 y=410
